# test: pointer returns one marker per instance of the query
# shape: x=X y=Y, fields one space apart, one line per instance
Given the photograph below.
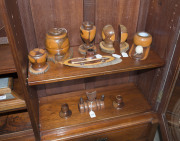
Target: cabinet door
x=172 y=114
x=169 y=109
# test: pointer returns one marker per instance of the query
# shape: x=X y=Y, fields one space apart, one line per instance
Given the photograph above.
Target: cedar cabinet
x=146 y=86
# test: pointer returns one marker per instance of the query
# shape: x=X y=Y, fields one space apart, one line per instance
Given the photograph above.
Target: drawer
x=133 y=133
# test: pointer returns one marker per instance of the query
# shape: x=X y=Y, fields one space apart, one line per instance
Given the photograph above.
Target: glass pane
x=173 y=112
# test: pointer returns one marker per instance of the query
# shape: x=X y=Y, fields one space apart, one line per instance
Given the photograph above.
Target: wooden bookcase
x=14 y=119
x=140 y=82
x=7 y=69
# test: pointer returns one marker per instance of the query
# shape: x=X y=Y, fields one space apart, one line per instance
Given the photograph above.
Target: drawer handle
x=102 y=139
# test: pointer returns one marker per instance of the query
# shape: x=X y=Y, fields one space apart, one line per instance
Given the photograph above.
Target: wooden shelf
x=6 y=60
x=59 y=72
x=53 y=125
x=16 y=127
x=14 y=104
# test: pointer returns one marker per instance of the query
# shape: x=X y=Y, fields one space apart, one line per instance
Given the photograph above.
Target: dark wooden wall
x=39 y=16
x=116 y=12
x=57 y=13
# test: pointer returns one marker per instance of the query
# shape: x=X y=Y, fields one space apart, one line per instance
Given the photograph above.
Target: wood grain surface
x=12 y=105
x=116 y=12
x=57 y=13
x=16 y=127
x=6 y=60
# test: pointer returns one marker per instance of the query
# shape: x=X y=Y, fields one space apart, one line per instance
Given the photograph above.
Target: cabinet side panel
x=162 y=23
x=57 y=13
x=15 y=33
x=116 y=12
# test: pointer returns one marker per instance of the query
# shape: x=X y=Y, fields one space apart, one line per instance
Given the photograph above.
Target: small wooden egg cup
x=38 y=58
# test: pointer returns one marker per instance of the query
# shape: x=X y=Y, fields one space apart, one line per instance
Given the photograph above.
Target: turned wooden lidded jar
x=38 y=58
x=141 y=46
x=57 y=44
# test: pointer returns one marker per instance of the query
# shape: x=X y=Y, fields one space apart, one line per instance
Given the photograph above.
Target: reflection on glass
x=173 y=112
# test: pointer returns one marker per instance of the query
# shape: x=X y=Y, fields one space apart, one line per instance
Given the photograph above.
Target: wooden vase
x=142 y=41
x=38 y=58
x=124 y=46
x=108 y=36
x=57 y=45
x=87 y=32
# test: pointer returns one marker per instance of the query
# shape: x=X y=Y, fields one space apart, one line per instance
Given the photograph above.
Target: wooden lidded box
x=138 y=82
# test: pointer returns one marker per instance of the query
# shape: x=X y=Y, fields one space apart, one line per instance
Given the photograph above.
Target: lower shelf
x=14 y=104
x=6 y=60
x=16 y=127
x=135 y=112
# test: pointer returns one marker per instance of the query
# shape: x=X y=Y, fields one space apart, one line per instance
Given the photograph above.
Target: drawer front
x=133 y=133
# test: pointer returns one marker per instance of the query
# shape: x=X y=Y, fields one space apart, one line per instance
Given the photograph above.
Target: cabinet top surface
x=59 y=72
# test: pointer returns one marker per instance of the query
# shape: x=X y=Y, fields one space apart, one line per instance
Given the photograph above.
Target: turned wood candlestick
x=108 y=36
x=38 y=58
x=118 y=103
x=57 y=45
x=88 y=32
x=124 y=46
x=141 y=46
x=65 y=111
